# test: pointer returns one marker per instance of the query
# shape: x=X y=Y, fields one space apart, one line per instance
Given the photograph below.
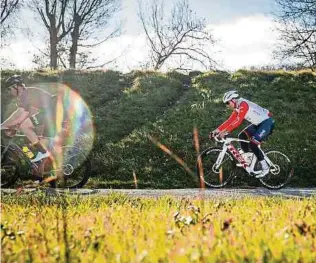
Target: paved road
x=184 y=193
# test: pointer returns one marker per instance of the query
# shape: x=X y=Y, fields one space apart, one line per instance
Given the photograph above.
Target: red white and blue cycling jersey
x=245 y=110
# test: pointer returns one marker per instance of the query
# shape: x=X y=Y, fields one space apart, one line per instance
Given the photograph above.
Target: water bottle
x=28 y=152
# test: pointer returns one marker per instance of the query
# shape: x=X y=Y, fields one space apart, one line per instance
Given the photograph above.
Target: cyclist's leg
x=245 y=134
x=254 y=143
x=40 y=145
x=263 y=131
x=27 y=127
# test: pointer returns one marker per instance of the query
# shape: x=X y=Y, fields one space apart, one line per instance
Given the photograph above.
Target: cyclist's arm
x=16 y=118
x=235 y=119
x=223 y=127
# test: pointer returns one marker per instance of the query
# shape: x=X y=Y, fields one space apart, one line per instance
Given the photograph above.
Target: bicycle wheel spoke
x=280 y=172
x=216 y=176
x=75 y=168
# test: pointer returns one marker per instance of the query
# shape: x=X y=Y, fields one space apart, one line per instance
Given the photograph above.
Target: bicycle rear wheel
x=213 y=177
x=10 y=168
x=75 y=168
x=280 y=172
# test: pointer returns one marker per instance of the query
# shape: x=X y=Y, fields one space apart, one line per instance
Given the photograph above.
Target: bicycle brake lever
x=217 y=140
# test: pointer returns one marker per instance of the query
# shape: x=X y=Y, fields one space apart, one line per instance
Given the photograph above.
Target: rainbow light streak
x=73 y=109
x=74 y=125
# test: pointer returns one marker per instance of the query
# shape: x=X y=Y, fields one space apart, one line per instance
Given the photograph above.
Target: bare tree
x=89 y=18
x=297 y=28
x=8 y=8
x=42 y=57
x=53 y=14
x=182 y=34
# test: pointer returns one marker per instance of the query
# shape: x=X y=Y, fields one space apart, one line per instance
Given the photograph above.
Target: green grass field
x=118 y=228
x=128 y=108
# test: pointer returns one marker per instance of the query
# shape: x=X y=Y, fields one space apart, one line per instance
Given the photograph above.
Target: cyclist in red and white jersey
x=261 y=125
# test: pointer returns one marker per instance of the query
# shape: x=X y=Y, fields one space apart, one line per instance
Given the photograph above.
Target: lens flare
x=73 y=112
x=74 y=131
x=64 y=125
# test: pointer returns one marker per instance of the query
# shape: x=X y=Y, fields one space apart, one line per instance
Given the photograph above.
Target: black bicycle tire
x=87 y=173
x=86 y=177
x=288 y=178
x=16 y=174
x=230 y=177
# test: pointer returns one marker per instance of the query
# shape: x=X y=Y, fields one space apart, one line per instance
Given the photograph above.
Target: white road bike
x=220 y=164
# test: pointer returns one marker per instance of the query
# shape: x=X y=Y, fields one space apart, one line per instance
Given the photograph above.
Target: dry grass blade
x=173 y=155
x=135 y=179
x=199 y=160
x=221 y=175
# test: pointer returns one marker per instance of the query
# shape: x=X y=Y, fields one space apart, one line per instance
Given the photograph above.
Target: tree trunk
x=53 y=49
x=74 y=47
x=75 y=34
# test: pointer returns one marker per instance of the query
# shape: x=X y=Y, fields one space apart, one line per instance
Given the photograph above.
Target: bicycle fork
x=219 y=160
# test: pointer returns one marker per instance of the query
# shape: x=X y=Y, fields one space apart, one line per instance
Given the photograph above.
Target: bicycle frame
x=10 y=145
x=227 y=145
x=20 y=154
x=63 y=163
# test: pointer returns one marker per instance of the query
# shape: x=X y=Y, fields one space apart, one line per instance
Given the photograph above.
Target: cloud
x=130 y=51
x=249 y=41
x=246 y=42
x=20 y=53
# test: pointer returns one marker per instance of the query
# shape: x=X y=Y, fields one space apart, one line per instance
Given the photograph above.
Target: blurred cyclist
x=35 y=107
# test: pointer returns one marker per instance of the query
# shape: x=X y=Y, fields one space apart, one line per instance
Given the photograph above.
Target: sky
x=244 y=30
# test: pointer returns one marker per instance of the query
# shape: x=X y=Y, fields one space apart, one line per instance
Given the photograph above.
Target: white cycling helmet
x=229 y=95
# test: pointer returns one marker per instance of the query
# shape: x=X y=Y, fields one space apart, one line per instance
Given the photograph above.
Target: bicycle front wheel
x=280 y=172
x=213 y=176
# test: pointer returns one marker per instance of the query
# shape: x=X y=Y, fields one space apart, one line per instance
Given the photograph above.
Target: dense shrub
x=128 y=108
